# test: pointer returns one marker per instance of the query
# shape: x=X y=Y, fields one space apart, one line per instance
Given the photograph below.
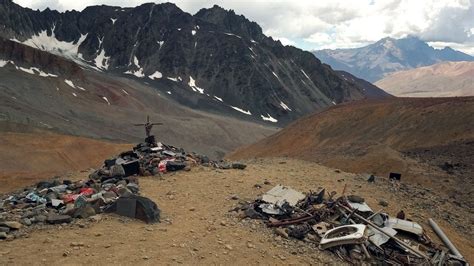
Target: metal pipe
x=445 y=239
x=401 y=243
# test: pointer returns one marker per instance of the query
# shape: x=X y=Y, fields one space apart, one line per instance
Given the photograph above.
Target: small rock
x=383 y=203
x=355 y=198
x=108 y=246
x=4 y=229
x=223 y=223
x=77 y=244
x=98 y=234
x=250 y=245
x=3 y=235
x=234 y=197
x=228 y=247
x=84 y=212
x=238 y=165
x=40 y=218
x=145 y=257
x=13 y=225
x=281 y=232
x=192 y=209
x=58 y=219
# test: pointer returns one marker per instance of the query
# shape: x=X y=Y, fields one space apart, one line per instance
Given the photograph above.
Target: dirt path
x=197 y=227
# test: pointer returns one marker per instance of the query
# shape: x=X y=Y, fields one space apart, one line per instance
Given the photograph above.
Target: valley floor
x=197 y=227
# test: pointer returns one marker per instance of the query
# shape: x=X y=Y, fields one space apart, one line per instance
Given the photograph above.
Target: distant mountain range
x=373 y=62
x=447 y=79
x=215 y=61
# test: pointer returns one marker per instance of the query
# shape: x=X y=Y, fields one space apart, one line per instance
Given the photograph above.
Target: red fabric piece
x=86 y=191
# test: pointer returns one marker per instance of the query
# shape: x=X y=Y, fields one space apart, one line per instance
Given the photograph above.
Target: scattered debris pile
x=348 y=227
x=112 y=188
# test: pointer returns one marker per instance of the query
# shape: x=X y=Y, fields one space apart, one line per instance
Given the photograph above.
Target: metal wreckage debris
x=349 y=228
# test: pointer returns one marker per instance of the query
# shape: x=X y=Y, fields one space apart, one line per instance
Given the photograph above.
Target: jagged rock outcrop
x=212 y=58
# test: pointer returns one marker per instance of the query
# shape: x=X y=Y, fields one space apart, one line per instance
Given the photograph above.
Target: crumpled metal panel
x=404 y=225
x=280 y=193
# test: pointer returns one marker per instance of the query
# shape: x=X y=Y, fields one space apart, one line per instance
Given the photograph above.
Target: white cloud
x=332 y=23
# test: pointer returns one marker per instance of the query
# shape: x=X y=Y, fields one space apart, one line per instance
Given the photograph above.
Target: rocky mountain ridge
x=374 y=61
x=212 y=57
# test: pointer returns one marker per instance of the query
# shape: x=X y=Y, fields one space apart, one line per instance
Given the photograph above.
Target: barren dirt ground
x=26 y=158
x=197 y=228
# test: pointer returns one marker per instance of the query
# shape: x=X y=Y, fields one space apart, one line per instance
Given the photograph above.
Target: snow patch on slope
x=113 y=20
x=241 y=110
x=71 y=84
x=218 y=98
x=284 y=106
x=156 y=75
x=27 y=70
x=175 y=79
x=102 y=61
x=105 y=99
x=192 y=84
x=4 y=63
x=31 y=70
x=250 y=48
x=268 y=118
x=231 y=34
x=34 y=70
x=137 y=73
x=51 y=44
x=304 y=73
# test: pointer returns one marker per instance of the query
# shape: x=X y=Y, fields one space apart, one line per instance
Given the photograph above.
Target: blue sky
x=319 y=24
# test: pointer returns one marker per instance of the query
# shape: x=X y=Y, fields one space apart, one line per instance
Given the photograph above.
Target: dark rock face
x=212 y=58
x=374 y=61
x=370 y=90
x=28 y=56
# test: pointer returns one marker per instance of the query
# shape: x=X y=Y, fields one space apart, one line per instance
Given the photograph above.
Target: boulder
x=58 y=219
x=237 y=165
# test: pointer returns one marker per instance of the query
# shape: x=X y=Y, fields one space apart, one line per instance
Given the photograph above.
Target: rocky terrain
x=197 y=227
x=448 y=79
x=428 y=141
x=214 y=60
x=375 y=61
x=42 y=90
